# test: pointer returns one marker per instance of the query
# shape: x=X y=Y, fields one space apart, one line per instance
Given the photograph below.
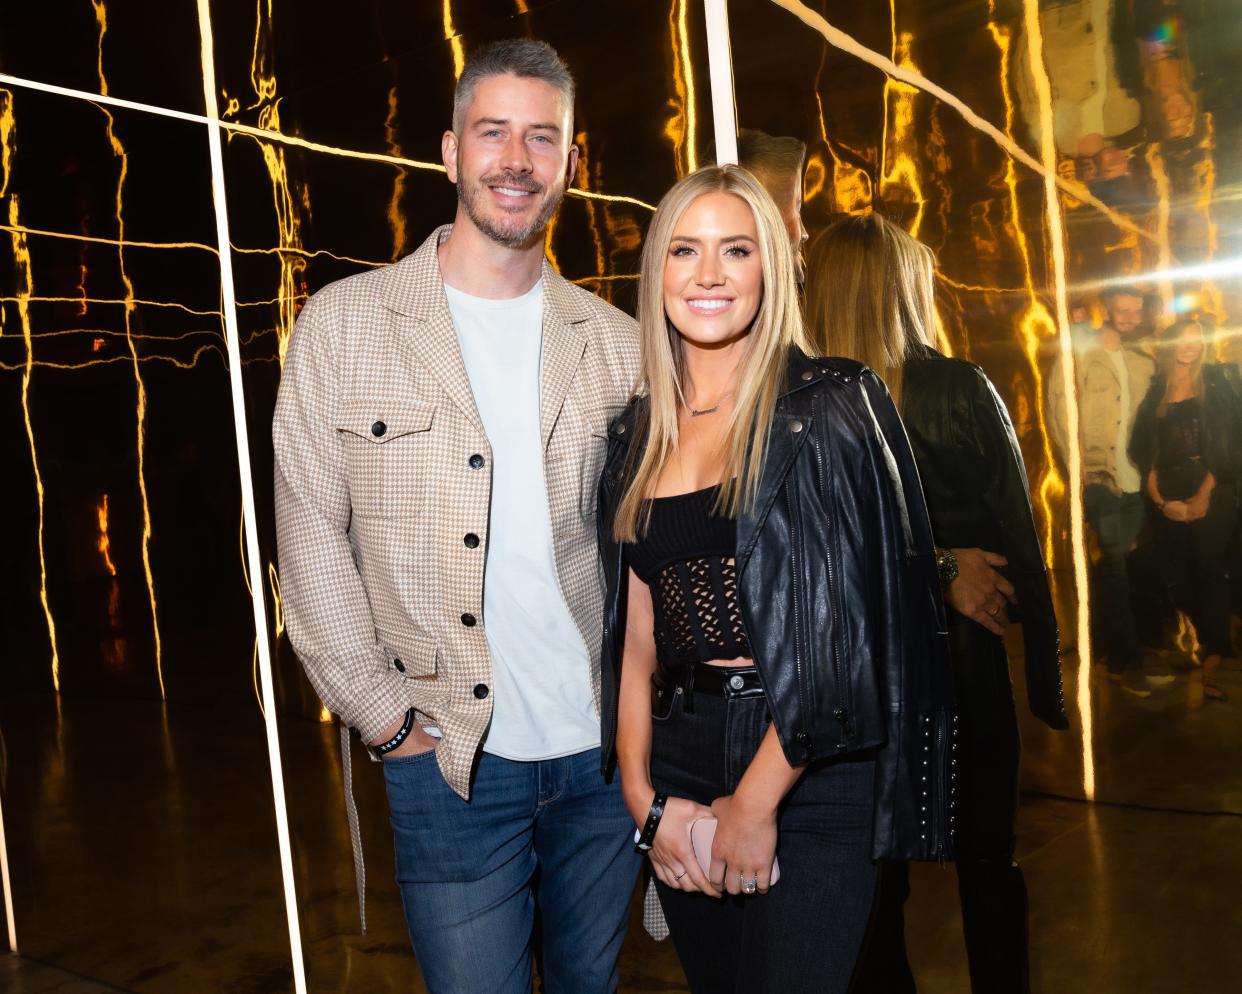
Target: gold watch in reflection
x=946 y=565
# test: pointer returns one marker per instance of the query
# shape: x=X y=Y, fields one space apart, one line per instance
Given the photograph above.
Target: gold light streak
x=898 y=144
x=21 y=229
x=25 y=284
x=583 y=177
x=682 y=128
x=847 y=43
x=111 y=300
x=21 y=260
x=450 y=35
x=284 y=201
x=118 y=150
x=7 y=142
x=1187 y=639
x=190 y=363
x=1056 y=235
x=396 y=217
x=104 y=545
x=1160 y=179
x=1035 y=325
x=1205 y=176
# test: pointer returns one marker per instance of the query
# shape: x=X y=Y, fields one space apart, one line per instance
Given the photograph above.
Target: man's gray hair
x=521 y=57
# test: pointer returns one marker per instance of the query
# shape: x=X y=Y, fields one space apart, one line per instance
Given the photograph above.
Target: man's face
x=1125 y=313
x=512 y=159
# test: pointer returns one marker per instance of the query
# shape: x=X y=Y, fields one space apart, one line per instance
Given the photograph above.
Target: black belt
x=720 y=681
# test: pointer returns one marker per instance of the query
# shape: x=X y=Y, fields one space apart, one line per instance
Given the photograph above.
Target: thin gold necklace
x=708 y=410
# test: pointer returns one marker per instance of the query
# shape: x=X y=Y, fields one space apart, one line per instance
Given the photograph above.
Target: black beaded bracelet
x=643 y=842
x=403 y=733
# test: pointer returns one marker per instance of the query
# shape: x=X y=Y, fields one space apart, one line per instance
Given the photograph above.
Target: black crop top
x=686 y=557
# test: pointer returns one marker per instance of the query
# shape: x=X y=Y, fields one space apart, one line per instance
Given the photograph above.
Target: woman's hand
x=745 y=845
x=672 y=856
x=1197 y=506
x=1175 y=510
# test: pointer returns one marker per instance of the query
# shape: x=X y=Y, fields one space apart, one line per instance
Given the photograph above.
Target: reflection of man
x=1113 y=377
x=777 y=163
x=441 y=422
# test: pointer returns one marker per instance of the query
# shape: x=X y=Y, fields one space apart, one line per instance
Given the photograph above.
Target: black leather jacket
x=977 y=493
x=839 y=594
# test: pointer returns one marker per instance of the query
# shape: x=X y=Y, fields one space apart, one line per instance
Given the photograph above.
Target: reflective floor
x=1123 y=898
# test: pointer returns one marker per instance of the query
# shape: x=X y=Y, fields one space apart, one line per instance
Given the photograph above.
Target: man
x=439 y=436
x=777 y=162
x=1113 y=377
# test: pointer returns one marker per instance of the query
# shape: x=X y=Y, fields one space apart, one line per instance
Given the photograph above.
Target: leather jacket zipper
x=834 y=601
x=799 y=672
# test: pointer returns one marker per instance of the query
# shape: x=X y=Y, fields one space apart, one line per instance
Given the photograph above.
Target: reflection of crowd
x=1161 y=450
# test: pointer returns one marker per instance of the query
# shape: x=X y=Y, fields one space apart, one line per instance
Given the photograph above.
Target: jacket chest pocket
x=389 y=455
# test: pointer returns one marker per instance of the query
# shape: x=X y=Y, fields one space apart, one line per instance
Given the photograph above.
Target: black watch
x=946 y=566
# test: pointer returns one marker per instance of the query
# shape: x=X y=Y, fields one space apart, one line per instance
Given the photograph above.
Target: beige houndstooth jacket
x=382 y=468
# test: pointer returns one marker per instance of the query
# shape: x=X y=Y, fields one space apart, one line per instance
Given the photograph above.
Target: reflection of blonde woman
x=1188 y=444
x=771 y=655
x=870 y=296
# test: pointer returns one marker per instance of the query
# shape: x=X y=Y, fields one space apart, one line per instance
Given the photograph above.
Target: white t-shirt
x=542 y=706
x=1128 y=478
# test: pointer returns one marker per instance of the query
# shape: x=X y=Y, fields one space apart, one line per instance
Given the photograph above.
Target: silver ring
x=678 y=876
x=749 y=884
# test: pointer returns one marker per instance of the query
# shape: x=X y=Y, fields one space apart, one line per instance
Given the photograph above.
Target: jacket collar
x=416 y=292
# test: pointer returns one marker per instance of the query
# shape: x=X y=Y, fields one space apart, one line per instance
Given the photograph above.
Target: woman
x=1187 y=443
x=870 y=297
x=772 y=652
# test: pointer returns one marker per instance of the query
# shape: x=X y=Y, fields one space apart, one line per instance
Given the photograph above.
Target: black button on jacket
x=839 y=593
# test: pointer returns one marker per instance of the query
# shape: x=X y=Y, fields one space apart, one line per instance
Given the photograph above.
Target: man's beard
x=511 y=235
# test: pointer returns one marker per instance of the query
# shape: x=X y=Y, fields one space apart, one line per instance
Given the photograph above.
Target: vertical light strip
x=1056 y=236
x=229 y=306
x=9 y=920
x=720 y=69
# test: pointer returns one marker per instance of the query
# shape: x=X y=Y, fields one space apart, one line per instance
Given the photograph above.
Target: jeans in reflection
x=1116 y=520
x=549 y=834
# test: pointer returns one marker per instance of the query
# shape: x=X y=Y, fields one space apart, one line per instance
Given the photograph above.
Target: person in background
x=1113 y=377
x=870 y=297
x=1188 y=445
x=777 y=162
x=774 y=653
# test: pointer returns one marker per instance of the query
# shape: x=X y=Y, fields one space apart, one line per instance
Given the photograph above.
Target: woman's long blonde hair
x=760 y=374
x=870 y=293
x=1166 y=357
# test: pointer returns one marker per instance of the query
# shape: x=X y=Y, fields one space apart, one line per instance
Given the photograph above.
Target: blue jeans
x=1116 y=520
x=548 y=835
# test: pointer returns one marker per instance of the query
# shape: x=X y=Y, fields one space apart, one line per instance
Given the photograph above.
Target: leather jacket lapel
x=788 y=433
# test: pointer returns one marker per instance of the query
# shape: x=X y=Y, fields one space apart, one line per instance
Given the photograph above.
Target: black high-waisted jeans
x=805 y=934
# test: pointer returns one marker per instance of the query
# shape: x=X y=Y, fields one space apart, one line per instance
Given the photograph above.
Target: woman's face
x=713 y=274
x=1189 y=345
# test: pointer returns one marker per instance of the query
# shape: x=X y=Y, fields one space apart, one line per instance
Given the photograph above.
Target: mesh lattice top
x=686 y=557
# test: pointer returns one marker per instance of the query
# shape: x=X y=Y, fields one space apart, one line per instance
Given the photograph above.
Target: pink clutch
x=701 y=834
